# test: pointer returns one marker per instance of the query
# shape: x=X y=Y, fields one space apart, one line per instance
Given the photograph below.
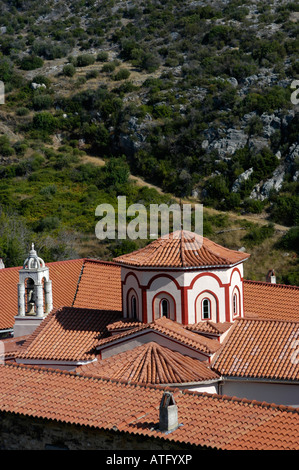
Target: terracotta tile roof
x=266 y=300
x=206 y=420
x=99 y=286
x=150 y=363
x=209 y=327
x=78 y=282
x=64 y=276
x=182 y=249
x=123 y=325
x=68 y=334
x=10 y=346
x=260 y=349
x=171 y=329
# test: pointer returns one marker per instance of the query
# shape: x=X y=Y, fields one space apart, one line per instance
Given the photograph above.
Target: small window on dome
x=206 y=309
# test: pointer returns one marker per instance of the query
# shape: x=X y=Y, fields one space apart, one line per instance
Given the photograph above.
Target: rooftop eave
x=180 y=268
x=135 y=334
x=234 y=378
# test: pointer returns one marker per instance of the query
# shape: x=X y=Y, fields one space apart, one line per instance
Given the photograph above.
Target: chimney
x=2 y=266
x=168 y=420
x=271 y=277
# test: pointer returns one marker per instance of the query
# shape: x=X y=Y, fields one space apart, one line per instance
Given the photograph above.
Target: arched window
x=235 y=304
x=30 y=297
x=133 y=307
x=164 y=308
x=206 y=309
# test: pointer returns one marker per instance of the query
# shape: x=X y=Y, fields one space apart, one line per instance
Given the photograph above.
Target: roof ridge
x=186 y=335
x=270 y=284
x=259 y=319
x=264 y=404
x=31 y=337
x=46 y=263
x=182 y=249
x=226 y=260
x=99 y=261
x=78 y=282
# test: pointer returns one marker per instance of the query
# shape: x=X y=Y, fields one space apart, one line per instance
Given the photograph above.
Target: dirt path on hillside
x=254 y=218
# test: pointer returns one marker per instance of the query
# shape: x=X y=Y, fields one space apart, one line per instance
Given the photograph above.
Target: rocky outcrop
x=232 y=140
x=241 y=178
x=263 y=190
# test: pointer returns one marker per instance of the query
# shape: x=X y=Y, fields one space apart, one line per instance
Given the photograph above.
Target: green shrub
x=42 y=101
x=22 y=111
x=92 y=74
x=285 y=210
x=84 y=60
x=162 y=111
x=259 y=233
x=69 y=70
x=290 y=241
x=44 y=121
x=122 y=74
x=102 y=56
x=31 y=62
x=109 y=67
x=6 y=149
x=47 y=224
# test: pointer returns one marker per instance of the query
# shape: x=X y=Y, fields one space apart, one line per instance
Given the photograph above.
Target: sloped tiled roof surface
x=260 y=349
x=122 y=325
x=266 y=300
x=207 y=420
x=171 y=329
x=209 y=327
x=64 y=276
x=99 y=286
x=79 y=282
x=182 y=249
x=150 y=363
x=68 y=334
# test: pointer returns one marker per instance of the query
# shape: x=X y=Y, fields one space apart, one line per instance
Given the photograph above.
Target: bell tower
x=34 y=294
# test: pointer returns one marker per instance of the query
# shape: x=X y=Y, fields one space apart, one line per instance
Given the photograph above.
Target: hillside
x=154 y=100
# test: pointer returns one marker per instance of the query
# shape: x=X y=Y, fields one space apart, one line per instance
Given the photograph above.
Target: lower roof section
x=151 y=363
x=276 y=301
x=212 y=421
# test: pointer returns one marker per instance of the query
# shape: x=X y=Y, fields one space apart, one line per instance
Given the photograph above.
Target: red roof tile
x=266 y=300
x=260 y=349
x=68 y=334
x=122 y=325
x=64 y=276
x=182 y=249
x=210 y=328
x=150 y=363
x=99 y=286
x=171 y=329
x=80 y=282
x=206 y=420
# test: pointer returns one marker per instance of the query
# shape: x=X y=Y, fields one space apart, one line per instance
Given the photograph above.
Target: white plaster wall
x=205 y=283
x=278 y=393
x=210 y=280
x=131 y=283
x=164 y=284
x=236 y=281
x=204 y=388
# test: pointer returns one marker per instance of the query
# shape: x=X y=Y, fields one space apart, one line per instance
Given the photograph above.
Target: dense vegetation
x=153 y=88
